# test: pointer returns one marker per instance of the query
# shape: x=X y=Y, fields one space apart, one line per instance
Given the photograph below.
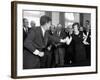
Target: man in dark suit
x=87 y=33
x=25 y=33
x=35 y=44
x=60 y=47
x=25 y=28
x=51 y=56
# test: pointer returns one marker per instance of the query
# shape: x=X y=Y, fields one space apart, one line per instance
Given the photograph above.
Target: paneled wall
x=55 y=18
x=86 y=17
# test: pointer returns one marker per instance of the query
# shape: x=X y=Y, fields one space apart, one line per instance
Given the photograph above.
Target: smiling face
x=87 y=25
x=32 y=24
x=75 y=28
x=25 y=23
x=48 y=25
x=59 y=26
x=70 y=29
x=81 y=28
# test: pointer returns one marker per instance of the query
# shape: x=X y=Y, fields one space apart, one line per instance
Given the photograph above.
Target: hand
x=41 y=54
x=69 y=40
x=36 y=52
x=63 y=40
x=84 y=37
x=49 y=47
x=86 y=43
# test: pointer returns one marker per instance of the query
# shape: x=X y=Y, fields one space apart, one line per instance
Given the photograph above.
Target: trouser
x=45 y=61
x=59 y=56
x=30 y=61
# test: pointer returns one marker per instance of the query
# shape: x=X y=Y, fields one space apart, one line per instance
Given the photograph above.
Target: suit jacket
x=25 y=33
x=35 y=40
x=88 y=38
x=62 y=35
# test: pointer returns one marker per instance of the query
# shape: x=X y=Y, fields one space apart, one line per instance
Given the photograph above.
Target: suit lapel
x=41 y=34
x=44 y=38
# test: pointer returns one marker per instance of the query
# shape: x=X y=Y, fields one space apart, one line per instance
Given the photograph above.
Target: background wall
x=5 y=40
x=86 y=17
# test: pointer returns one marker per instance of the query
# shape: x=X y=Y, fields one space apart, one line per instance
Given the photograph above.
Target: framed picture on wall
x=50 y=39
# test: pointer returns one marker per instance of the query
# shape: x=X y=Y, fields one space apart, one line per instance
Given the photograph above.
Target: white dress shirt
x=43 y=31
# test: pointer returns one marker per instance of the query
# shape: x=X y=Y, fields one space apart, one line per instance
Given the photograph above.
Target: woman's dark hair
x=76 y=23
x=44 y=19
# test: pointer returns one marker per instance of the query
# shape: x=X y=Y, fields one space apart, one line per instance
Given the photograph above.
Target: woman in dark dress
x=79 y=49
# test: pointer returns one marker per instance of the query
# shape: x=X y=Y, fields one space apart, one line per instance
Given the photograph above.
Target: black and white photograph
x=67 y=42
x=53 y=39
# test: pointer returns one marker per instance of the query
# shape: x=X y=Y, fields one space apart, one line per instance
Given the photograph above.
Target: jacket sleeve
x=28 y=43
x=54 y=39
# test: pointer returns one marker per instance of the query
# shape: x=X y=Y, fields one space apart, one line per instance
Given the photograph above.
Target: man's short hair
x=44 y=19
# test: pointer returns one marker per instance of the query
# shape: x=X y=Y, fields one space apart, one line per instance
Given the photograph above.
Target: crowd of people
x=49 y=46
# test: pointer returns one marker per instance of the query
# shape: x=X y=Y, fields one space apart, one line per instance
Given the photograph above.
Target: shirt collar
x=43 y=31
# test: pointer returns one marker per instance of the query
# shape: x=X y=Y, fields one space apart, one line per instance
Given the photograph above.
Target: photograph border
x=14 y=37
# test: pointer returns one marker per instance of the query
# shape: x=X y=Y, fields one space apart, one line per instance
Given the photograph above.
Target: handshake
x=37 y=52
